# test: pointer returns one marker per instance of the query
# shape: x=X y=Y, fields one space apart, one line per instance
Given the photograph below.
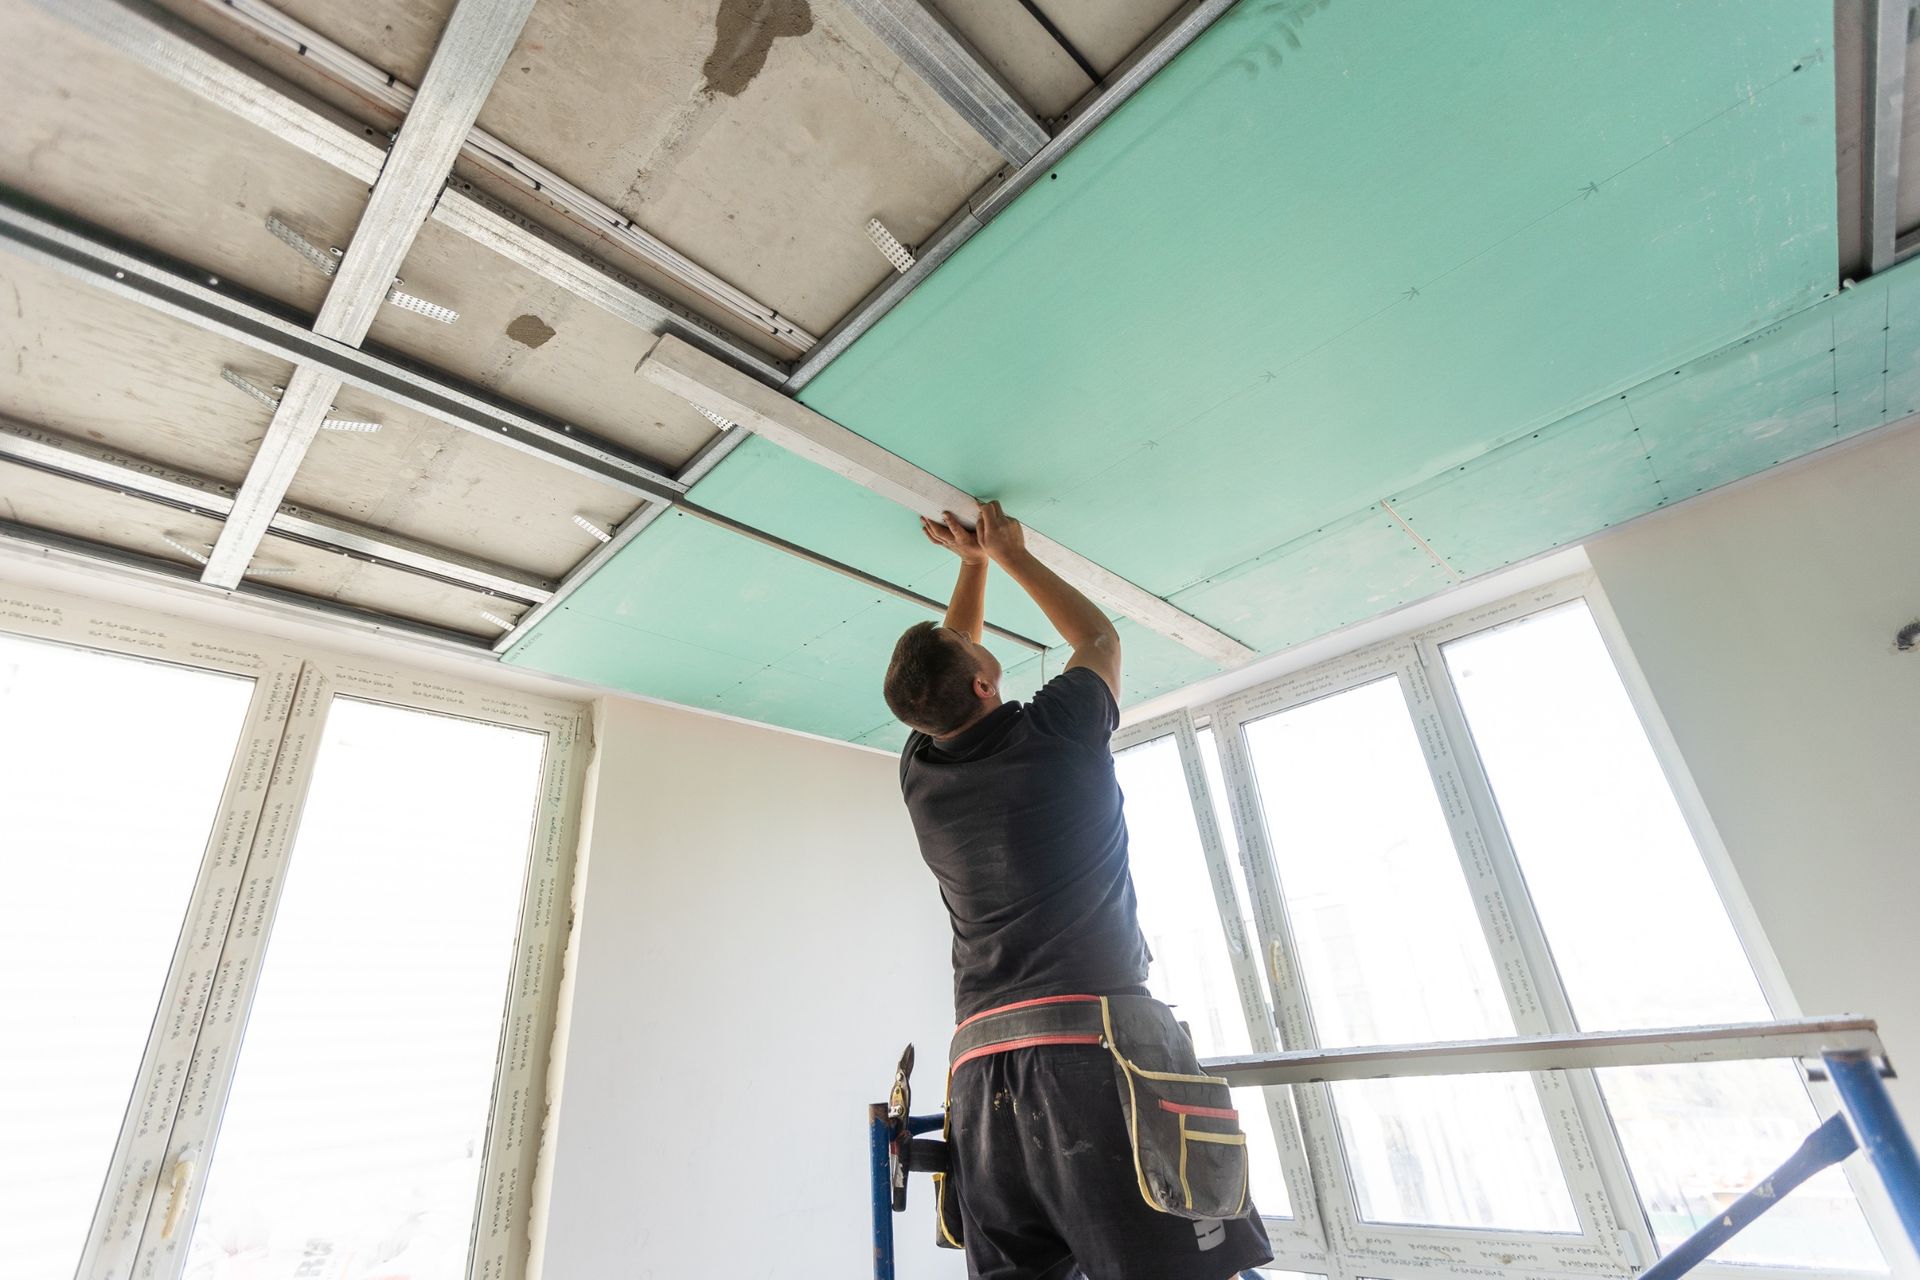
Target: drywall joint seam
x=472 y=49
x=953 y=69
x=348 y=70
x=708 y=384
x=79 y=460
x=993 y=198
x=1423 y=544
x=184 y=57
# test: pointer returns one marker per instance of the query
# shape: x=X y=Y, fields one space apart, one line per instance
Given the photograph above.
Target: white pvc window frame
x=1328 y=1236
x=150 y=1198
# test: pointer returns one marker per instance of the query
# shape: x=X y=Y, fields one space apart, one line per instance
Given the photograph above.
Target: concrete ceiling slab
x=85 y=363
x=534 y=342
x=758 y=143
x=426 y=480
x=757 y=139
x=1274 y=325
x=100 y=137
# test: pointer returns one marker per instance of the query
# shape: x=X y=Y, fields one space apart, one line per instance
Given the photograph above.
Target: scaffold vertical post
x=1856 y=1076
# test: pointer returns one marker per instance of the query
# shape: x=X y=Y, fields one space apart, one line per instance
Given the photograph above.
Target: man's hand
x=999 y=533
x=955 y=537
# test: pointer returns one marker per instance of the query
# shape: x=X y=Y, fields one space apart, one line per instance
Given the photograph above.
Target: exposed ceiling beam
x=708 y=384
x=1887 y=26
x=90 y=463
x=140 y=274
x=167 y=47
x=940 y=56
x=992 y=200
x=472 y=49
x=512 y=166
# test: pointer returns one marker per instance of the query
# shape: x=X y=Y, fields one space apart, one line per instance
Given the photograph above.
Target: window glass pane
x=1391 y=952
x=351 y=1145
x=1192 y=969
x=1640 y=935
x=111 y=771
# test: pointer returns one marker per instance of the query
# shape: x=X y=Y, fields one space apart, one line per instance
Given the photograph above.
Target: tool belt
x=1188 y=1150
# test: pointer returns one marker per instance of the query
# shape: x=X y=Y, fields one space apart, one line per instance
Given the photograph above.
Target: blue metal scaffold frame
x=1848 y=1047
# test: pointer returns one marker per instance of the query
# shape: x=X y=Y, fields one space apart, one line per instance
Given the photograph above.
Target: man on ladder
x=1081 y=1131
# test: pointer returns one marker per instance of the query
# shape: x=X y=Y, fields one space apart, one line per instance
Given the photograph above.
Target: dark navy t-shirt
x=1019 y=817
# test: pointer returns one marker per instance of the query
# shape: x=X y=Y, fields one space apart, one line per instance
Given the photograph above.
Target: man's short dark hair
x=930 y=680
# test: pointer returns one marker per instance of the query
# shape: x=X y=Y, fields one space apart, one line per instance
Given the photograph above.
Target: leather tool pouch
x=1188 y=1149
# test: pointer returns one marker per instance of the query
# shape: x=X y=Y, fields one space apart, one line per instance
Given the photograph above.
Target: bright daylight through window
x=1192 y=969
x=1608 y=857
x=354 y=1133
x=1390 y=945
x=111 y=771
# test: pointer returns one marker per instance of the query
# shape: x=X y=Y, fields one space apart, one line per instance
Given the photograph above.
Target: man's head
x=939 y=682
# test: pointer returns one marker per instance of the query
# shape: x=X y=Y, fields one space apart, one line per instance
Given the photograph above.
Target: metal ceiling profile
x=1888 y=28
x=710 y=385
x=474 y=46
x=131 y=271
x=516 y=167
x=78 y=459
x=941 y=57
x=162 y=44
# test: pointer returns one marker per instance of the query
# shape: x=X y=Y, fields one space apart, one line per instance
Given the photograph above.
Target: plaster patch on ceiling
x=743 y=33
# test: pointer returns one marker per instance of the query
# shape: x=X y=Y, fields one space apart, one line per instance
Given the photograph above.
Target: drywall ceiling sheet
x=1835 y=370
x=1323 y=257
x=693 y=614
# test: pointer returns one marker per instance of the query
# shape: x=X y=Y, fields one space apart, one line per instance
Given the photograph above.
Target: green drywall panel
x=693 y=614
x=1845 y=366
x=1323 y=257
x=1353 y=569
x=1558 y=485
x=765 y=486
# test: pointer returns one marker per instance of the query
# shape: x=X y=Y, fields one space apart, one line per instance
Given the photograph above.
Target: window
x=1607 y=854
x=1390 y=953
x=1193 y=969
x=111 y=771
x=357 y=1121
x=1465 y=834
x=290 y=922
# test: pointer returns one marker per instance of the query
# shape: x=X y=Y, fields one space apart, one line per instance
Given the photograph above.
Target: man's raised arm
x=1079 y=621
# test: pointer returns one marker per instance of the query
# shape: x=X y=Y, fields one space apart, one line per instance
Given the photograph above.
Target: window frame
x=1300 y=1237
x=186 y=1071
x=1615 y=1235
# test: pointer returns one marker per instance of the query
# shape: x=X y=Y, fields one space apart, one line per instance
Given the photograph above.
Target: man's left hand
x=955 y=537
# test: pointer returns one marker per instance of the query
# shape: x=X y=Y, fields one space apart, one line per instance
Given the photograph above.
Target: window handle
x=180 y=1184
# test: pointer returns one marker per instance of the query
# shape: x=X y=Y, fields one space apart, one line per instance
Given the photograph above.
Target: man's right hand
x=1001 y=536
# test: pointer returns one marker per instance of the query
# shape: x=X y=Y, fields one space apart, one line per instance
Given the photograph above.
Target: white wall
x=758 y=939
x=1763 y=620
